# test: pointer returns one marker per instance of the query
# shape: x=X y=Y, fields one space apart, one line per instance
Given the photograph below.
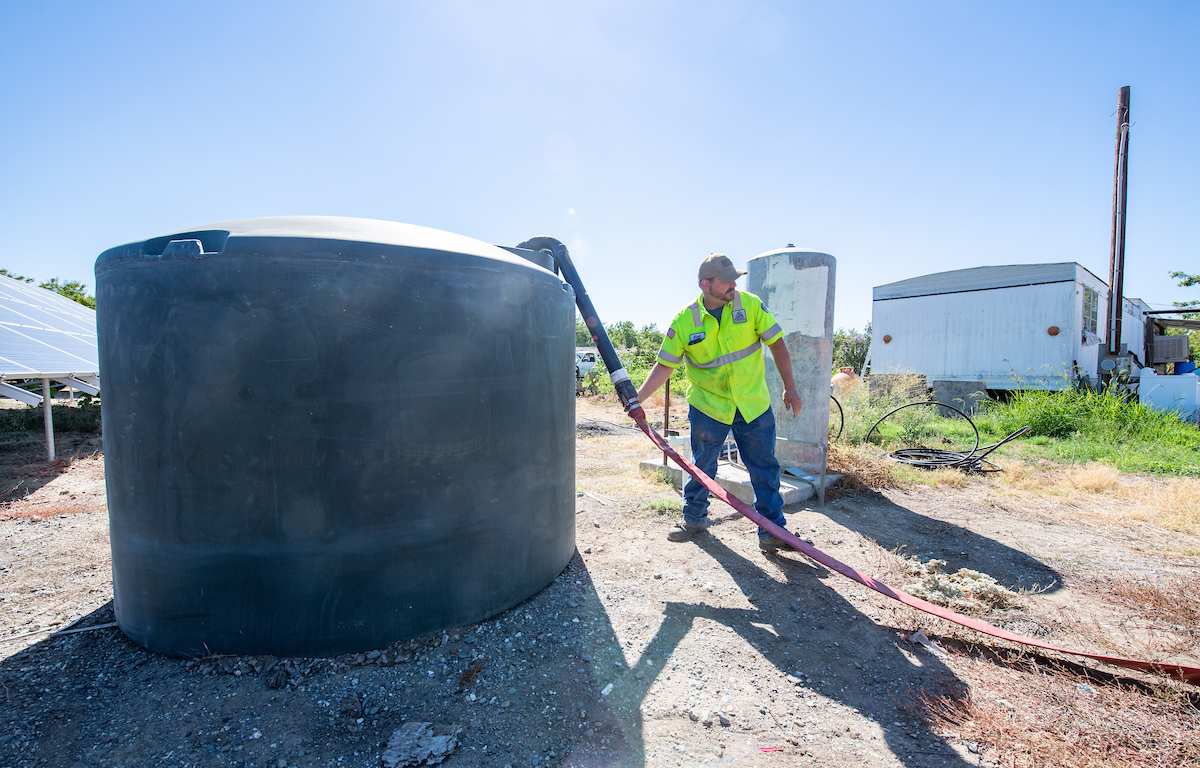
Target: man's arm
x=783 y=361
x=658 y=376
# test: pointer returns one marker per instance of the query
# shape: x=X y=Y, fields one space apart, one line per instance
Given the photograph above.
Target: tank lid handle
x=183 y=248
x=187 y=243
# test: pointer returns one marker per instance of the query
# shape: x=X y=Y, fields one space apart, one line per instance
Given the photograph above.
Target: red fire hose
x=1179 y=671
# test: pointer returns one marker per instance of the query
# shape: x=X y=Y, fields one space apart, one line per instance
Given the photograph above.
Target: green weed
x=1081 y=426
x=1070 y=426
x=667 y=507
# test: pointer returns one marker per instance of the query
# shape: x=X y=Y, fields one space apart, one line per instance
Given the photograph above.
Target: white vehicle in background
x=585 y=361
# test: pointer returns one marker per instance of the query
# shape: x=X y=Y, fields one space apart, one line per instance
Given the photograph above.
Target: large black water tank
x=325 y=435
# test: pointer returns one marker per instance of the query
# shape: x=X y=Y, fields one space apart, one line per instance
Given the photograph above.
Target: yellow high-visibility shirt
x=725 y=368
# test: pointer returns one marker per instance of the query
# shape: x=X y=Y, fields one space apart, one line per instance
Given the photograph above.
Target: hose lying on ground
x=933 y=458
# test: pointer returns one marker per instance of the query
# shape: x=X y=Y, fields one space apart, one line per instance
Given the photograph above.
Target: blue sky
x=903 y=138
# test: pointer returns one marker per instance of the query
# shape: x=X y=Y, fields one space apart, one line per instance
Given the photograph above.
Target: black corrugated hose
x=974 y=460
x=841 y=419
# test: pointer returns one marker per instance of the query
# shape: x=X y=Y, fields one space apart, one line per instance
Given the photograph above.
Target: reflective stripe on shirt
x=732 y=357
x=773 y=330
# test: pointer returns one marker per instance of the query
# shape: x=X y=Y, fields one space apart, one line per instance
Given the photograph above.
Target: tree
x=1186 y=281
x=583 y=336
x=72 y=289
x=850 y=348
x=622 y=334
x=15 y=276
x=649 y=338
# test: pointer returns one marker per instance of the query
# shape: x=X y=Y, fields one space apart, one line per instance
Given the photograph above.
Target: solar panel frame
x=44 y=335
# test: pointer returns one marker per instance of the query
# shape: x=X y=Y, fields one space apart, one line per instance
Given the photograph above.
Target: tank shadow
x=836 y=655
x=839 y=658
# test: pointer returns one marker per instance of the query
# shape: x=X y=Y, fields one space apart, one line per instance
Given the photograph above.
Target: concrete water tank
x=797 y=285
x=325 y=435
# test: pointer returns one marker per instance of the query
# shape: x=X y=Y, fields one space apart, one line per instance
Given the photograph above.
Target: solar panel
x=44 y=335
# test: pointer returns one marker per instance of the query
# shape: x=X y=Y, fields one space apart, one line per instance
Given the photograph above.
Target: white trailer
x=1020 y=326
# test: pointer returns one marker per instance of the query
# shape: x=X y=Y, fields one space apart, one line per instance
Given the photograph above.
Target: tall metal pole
x=666 y=415
x=1116 y=262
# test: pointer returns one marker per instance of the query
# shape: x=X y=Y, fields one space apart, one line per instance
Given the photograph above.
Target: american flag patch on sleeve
x=670 y=333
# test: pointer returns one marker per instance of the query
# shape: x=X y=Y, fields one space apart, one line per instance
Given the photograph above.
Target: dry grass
x=1158 y=617
x=1098 y=490
x=1101 y=491
x=893 y=389
x=862 y=468
x=25 y=510
x=1023 y=713
x=941 y=477
x=1036 y=717
x=889 y=566
x=1173 y=599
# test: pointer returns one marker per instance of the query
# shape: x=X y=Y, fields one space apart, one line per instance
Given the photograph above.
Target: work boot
x=770 y=543
x=686 y=530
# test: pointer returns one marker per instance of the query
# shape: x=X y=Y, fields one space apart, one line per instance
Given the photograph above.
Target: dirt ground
x=642 y=652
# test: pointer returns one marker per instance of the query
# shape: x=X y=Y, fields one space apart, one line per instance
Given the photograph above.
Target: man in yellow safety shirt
x=720 y=337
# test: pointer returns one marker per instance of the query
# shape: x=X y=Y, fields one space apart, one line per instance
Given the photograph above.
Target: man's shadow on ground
x=842 y=655
x=912 y=534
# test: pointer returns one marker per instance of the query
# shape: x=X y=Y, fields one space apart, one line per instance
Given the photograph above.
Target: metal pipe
x=48 y=418
x=666 y=414
x=1116 y=263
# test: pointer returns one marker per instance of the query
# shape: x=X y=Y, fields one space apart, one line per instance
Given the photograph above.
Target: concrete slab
x=737 y=481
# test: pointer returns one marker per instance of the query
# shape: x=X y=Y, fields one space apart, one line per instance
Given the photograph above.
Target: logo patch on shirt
x=670 y=333
x=739 y=315
x=695 y=338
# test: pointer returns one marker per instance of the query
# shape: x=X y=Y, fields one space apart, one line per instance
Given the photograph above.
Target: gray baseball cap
x=718 y=265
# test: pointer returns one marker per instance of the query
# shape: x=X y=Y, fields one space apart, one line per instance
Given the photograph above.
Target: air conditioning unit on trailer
x=1170 y=349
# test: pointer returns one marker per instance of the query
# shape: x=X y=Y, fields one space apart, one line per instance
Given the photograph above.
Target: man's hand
x=791 y=402
x=783 y=362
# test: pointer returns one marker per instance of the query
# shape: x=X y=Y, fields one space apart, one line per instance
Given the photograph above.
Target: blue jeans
x=756 y=447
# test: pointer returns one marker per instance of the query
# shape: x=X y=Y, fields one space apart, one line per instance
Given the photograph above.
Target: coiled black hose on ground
x=974 y=460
